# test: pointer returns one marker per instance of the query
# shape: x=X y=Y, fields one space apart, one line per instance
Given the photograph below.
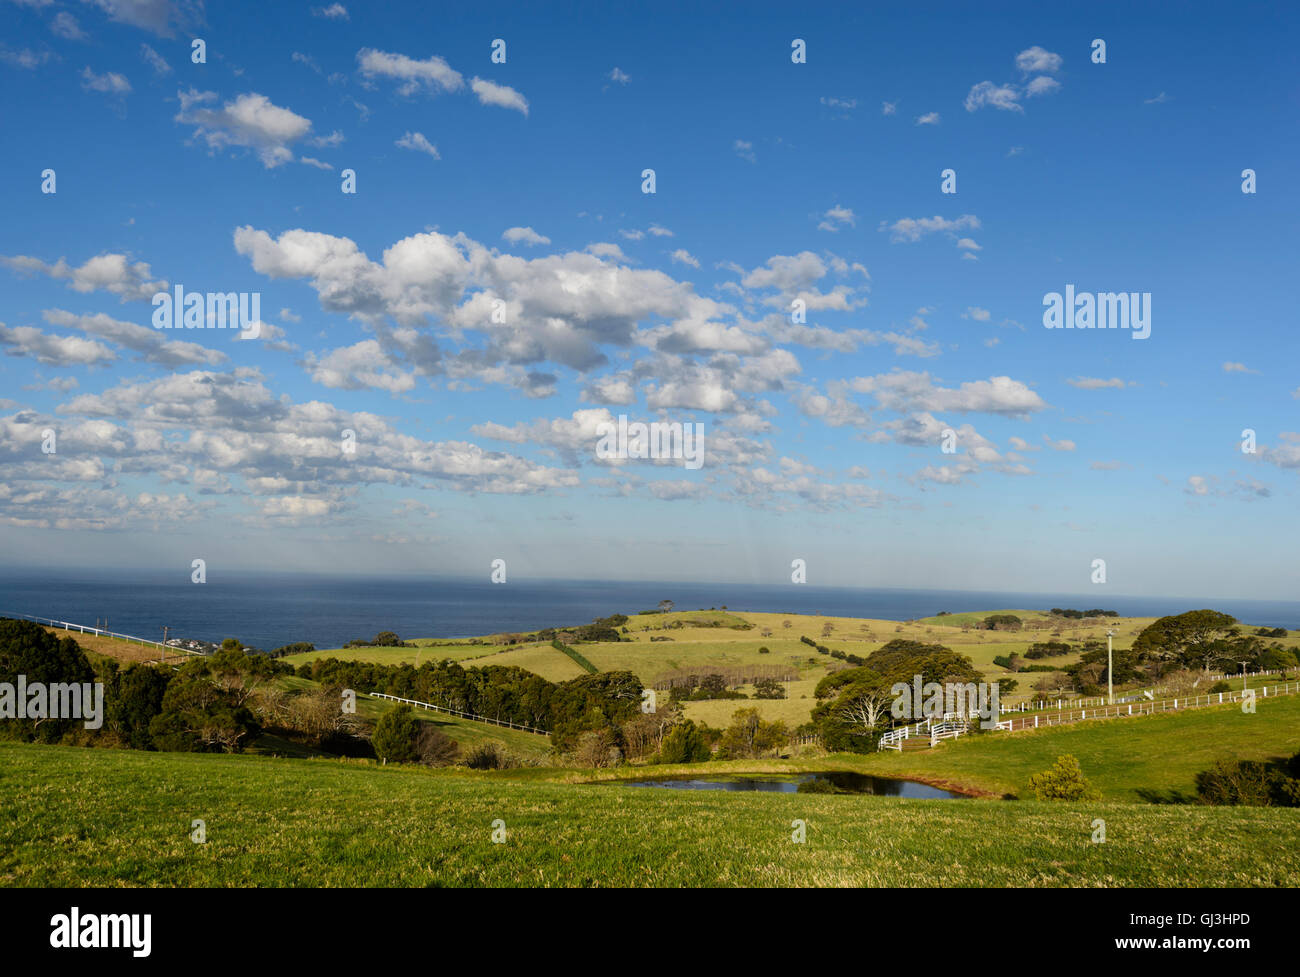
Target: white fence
x=85 y=629
x=1148 y=708
x=1101 y=700
x=948 y=729
x=101 y=632
x=457 y=712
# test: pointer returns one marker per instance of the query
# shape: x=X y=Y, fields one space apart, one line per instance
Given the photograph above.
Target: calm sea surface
x=269 y=610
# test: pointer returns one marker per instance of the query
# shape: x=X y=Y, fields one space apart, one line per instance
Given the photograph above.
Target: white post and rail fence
x=104 y=633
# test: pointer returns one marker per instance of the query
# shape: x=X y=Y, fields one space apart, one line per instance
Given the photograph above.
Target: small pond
x=813 y=783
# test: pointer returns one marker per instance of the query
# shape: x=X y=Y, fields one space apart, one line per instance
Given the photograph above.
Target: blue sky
x=521 y=182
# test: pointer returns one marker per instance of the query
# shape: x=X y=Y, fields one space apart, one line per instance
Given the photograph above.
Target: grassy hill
x=657 y=643
x=78 y=817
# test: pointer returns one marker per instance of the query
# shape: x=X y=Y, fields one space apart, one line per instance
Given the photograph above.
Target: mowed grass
x=84 y=817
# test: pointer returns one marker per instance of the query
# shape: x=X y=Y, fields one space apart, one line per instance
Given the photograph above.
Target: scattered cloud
x=837 y=217
x=417 y=142
x=109 y=83
x=502 y=96
x=524 y=235
x=251 y=120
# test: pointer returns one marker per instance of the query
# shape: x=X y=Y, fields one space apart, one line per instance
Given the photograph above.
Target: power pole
x=1243 y=676
x=1110 y=667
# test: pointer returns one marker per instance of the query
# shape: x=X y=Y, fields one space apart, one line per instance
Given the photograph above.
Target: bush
x=1248 y=783
x=434 y=748
x=1064 y=782
x=1219 y=687
x=489 y=756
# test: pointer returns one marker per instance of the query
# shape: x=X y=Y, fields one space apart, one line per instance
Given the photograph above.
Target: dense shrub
x=395 y=733
x=1250 y=783
x=1064 y=782
x=685 y=743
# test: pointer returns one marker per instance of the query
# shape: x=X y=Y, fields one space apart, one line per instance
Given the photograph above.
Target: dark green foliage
x=1190 y=640
x=592 y=702
x=384 y=639
x=200 y=716
x=581 y=661
x=685 y=743
x=1048 y=649
x=395 y=733
x=1001 y=622
x=297 y=648
x=1251 y=783
x=134 y=698
x=28 y=649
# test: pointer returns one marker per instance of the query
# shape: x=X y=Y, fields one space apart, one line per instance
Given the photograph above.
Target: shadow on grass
x=1152 y=796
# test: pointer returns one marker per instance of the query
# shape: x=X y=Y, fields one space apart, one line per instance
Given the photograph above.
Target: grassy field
x=121 y=649
x=81 y=817
x=428 y=650
x=1152 y=758
x=700 y=639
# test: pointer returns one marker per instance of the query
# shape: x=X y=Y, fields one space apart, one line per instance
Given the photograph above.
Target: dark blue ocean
x=269 y=610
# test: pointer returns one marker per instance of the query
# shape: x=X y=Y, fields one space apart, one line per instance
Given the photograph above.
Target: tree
x=1191 y=639
x=199 y=716
x=769 y=688
x=665 y=606
x=864 y=708
x=598 y=748
x=395 y=735
x=750 y=735
x=28 y=649
x=684 y=743
x=137 y=698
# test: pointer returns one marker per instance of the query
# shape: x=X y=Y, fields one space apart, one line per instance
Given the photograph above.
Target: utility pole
x=1243 y=676
x=165 y=629
x=1110 y=667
